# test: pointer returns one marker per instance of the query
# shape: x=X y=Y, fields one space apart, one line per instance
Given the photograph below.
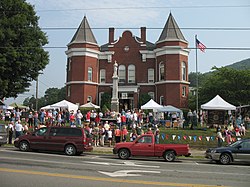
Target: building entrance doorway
x=126 y=104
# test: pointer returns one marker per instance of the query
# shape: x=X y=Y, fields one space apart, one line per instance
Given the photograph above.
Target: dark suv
x=3 y=134
x=238 y=151
x=72 y=141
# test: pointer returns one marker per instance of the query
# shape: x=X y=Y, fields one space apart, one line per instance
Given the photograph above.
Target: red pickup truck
x=145 y=145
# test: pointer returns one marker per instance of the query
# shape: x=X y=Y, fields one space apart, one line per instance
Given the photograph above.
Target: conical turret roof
x=84 y=33
x=171 y=30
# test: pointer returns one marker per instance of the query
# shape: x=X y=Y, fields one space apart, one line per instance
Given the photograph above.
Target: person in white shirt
x=10 y=131
x=110 y=137
x=18 y=128
x=79 y=117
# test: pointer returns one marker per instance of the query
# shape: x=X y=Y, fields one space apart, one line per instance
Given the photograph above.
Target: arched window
x=152 y=95
x=68 y=91
x=69 y=64
x=184 y=91
x=131 y=74
x=151 y=75
x=184 y=71
x=122 y=74
x=161 y=71
x=102 y=76
x=89 y=99
x=89 y=74
x=162 y=102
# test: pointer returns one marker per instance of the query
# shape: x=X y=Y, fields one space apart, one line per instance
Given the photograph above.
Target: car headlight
x=1 y=137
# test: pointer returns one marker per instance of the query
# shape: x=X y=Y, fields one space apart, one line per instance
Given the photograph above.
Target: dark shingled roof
x=84 y=33
x=171 y=30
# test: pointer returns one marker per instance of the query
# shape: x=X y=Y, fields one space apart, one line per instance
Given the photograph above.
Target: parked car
x=72 y=141
x=238 y=151
x=3 y=134
x=145 y=145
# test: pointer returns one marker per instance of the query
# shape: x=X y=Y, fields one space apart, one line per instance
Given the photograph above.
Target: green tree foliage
x=52 y=95
x=192 y=76
x=232 y=85
x=143 y=99
x=21 y=54
x=106 y=101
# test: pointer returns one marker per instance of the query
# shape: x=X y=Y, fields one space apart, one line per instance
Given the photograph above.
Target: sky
x=190 y=15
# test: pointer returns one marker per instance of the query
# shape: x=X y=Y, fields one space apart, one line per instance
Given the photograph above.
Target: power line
x=143 y=7
x=191 y=48
x=155 y=28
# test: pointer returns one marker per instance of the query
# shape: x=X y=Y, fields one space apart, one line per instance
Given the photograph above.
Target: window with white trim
x=131 y=74
x=151 y=75
x=68 y=91
x=152 y=95
x=89 y=99
x=69 y=64
x=89 y=74
x=102 y=76
x=161 y=71
x=184 y=71
x=122 y=74
x=162 y=100
x=184 y=91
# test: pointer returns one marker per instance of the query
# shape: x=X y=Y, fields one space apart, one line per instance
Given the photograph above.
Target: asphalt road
x=38 y=169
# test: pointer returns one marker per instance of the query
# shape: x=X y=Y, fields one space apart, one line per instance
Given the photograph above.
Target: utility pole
x=37 y=93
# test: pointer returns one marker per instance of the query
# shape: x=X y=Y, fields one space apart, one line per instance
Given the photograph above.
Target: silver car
x=238 y=151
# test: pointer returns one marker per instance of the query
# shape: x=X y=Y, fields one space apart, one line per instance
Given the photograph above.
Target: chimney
x=143 y=34
x=111 y=35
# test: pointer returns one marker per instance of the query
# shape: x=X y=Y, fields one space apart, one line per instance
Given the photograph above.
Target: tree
x=52 y=95
x=106 y=100
x=21 y=54
x=143 y=99
x=232 y=85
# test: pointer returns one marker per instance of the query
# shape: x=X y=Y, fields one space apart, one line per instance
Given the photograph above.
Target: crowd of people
x=115 y=130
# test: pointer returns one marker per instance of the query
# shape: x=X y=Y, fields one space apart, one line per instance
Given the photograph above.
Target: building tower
x=171 y=55
x=82 y=65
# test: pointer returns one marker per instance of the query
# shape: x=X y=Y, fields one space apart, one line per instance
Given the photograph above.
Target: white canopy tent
x=89 y=105
x=151 y=105
x=49 y=107
x=217 y=103
x=66 y=104
x=169 y=108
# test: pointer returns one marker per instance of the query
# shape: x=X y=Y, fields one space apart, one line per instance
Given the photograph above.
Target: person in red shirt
x=88 y=116
x=123 y=119
x=117 y=135
x=124 y=133
x=72 y=119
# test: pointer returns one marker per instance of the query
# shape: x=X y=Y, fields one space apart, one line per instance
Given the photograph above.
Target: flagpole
x=197 y=88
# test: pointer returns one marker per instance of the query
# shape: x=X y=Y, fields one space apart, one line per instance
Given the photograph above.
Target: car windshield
x=2 y=128
x=235 y=144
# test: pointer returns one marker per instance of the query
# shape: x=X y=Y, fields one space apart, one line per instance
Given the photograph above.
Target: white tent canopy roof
x=151 y=105
x=66 y=104
x=169 y=108
x=49 y=107
x=89 y=105
x=217 y=103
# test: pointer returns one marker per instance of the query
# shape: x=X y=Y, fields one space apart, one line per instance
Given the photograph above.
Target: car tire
x=225 y=158
x=70 y=150
x=24 y=146
x=169 y=156
x=124 y=154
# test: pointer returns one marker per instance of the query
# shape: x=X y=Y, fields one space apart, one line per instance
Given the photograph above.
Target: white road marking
x=122 y=164
x=126 y=173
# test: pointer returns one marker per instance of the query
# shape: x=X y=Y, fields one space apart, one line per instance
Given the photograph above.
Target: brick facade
x=167 y=59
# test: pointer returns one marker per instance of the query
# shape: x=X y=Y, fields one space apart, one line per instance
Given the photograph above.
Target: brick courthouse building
x=159 y=69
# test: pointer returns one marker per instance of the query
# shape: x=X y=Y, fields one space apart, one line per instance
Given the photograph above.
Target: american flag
x=200 y=45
